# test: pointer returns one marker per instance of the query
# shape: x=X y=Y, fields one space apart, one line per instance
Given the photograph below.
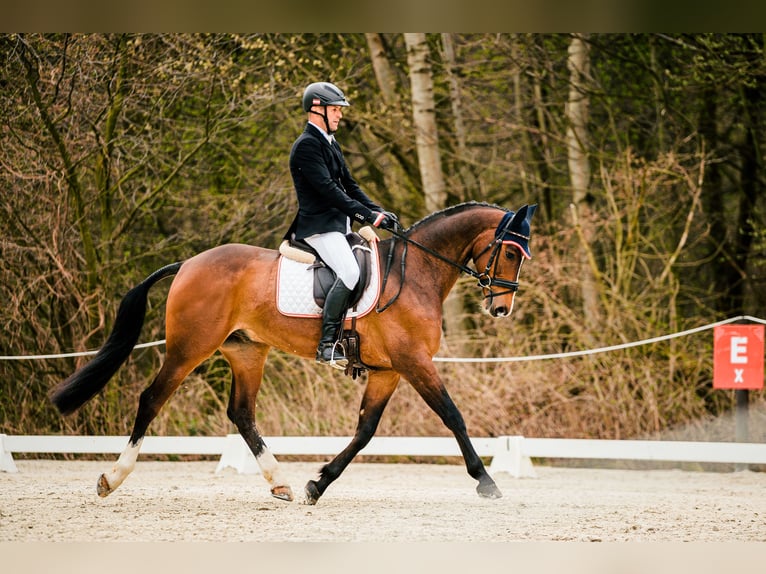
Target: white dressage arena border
x=510 y=454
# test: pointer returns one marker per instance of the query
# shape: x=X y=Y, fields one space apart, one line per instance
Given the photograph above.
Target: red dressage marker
x=738 y=357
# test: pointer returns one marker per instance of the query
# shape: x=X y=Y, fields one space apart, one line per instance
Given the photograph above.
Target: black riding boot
x=335 y=306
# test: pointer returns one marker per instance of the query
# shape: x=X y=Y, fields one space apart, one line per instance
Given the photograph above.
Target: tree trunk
x=74 y=184
x=382 y=151
x=578 y=63
x=713 y=203
x=103 y=165
x=464 y=159
x=427 y=142
x=751 y=167
x=424 y=117
x=543 y=163
x=382 y=68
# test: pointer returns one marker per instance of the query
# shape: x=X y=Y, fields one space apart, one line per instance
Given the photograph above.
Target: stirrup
x=335 y=360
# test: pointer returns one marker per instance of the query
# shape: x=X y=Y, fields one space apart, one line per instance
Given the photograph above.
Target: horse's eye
x=511 y=254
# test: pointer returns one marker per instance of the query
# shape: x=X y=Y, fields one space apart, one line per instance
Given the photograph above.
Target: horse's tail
x=70 y=394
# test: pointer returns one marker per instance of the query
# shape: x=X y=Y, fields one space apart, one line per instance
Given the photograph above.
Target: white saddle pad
x=295 y=289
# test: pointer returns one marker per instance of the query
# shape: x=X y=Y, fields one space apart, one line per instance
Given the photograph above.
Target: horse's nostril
x=500 y=311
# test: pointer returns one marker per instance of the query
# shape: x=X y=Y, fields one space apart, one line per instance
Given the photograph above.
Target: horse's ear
x=518 y=230
x=522 y=216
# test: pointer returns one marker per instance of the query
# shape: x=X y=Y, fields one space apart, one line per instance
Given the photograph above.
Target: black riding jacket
x=327 y=194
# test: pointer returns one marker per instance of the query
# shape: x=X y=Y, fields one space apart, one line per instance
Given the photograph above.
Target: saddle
x=324 y=277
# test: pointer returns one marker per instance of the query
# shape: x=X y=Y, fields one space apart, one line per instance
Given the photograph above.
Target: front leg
x=426 y=381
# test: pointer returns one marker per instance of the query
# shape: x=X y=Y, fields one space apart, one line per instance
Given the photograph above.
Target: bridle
x=485 y=280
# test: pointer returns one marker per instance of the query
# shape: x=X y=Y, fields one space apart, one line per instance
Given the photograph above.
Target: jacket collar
x=319 y=132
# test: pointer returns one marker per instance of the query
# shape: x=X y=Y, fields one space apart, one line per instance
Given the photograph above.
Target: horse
x=223 y=300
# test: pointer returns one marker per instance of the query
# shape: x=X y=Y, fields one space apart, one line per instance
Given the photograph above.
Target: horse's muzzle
x=500 y=311
x=499 y=307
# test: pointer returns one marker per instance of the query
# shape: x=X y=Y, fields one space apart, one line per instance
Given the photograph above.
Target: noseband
x=485 y=280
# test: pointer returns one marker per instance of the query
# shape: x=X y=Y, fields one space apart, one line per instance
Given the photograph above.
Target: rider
x=329 y=199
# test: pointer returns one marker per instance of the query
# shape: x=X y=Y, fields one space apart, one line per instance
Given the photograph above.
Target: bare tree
x=424 y=116
x=429 y=157
x=578 y=63
x=382 y=67
x=456 y=100
x=119 y=153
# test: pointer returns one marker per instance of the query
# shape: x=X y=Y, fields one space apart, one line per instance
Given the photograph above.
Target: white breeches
x=336 y=253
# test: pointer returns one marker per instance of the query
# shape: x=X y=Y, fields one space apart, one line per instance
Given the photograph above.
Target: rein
x=484 y=279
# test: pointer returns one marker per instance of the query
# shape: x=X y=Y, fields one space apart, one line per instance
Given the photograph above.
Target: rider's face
x=334 y=115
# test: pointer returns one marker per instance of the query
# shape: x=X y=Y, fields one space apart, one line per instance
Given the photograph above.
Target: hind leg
x=380 y=386
x=247 y=359
x=108 y=482
x=154 y=396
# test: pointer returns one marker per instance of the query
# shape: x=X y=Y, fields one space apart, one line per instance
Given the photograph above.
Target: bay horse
x=223 y=299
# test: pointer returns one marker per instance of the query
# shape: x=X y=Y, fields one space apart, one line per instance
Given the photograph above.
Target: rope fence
x=511 y=454
x=517 y=359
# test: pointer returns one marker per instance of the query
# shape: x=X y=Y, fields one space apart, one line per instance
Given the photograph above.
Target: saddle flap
x=324 y=277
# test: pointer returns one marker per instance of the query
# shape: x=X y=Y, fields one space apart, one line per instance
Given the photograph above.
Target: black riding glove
x=386 y=220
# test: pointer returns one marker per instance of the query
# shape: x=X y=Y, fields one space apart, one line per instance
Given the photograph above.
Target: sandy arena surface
x=56 y=501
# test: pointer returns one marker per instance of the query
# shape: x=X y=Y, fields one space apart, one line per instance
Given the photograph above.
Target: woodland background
x=120 y=153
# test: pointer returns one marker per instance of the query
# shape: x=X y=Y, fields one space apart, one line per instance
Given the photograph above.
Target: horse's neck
x=453 y=239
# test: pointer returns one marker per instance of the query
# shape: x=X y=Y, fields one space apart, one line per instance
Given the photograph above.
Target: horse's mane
x=452 y=210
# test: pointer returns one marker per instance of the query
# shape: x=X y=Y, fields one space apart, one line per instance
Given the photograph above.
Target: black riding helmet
x=323 y=94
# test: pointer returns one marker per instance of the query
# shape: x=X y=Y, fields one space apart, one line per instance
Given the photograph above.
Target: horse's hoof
x=489 y=490
x=312 y=493
x=102 y=488
x=282 y=493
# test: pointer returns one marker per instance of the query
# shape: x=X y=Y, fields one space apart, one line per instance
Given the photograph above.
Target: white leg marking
x=270 y=468
x=273 y=474
x=122 y=468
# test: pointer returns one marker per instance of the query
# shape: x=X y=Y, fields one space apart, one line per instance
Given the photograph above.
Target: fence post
x=509 y=457
x=742 y=397
x=237 y=454
x=6 y=460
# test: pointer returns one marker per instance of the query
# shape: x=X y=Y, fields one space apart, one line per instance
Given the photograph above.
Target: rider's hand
x=386 y=220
